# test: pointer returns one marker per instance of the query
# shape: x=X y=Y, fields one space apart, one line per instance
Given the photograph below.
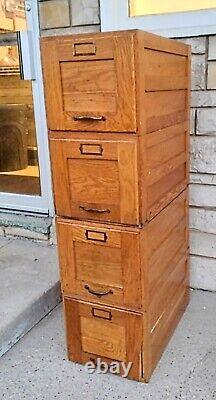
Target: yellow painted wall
x=148 y=7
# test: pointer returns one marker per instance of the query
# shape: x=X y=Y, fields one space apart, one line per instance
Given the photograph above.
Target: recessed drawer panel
x=88 y=83
x=95 y=332
x=96 y=179
x=100 y=264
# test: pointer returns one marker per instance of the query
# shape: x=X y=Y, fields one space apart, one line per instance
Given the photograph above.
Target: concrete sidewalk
x=29 y=287
x=37 y=366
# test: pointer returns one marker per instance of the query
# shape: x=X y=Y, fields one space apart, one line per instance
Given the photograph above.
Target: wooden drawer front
x=99 y=264
x=96 y=180
x=89 y=83
x=101 y=332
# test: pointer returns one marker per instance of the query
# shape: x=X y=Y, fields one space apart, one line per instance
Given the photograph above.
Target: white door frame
x=115 y=16
x=44 y=203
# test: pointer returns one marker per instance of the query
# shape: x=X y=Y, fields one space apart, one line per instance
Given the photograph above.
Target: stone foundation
x=37 y=228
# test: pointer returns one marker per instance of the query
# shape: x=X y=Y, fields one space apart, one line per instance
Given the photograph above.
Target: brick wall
x=203 y=162
x=68 y=16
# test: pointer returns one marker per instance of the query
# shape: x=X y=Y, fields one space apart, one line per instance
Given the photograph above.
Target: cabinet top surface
x=148 y=37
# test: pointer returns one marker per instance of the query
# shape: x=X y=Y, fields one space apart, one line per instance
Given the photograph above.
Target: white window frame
x=42 y=204
x=115 y=16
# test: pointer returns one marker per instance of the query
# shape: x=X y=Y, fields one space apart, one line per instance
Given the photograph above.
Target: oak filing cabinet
x=118 y=116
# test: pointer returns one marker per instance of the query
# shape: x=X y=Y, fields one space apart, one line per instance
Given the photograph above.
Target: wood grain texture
x=103 y=332
x=167 y=324
x=164 y=275
x=165 y=71
x=165 y=108
x=164 y=168
x=147 y=270
x=82 y=91
x=52 y=85
x=133 y=179
x=118 y=117
x=108 y=264
x=99 y=85
x=162 y=84
x=122 y=72
x=100 y=183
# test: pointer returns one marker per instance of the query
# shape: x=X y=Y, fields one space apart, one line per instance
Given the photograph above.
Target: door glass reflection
x=19 y=169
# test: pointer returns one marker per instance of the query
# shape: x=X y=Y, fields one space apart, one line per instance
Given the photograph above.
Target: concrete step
x=29 y=287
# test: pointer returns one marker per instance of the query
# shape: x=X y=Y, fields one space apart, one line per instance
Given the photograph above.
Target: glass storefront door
x=24 y=161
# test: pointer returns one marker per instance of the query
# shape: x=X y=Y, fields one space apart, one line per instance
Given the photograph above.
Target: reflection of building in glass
x=12 y=15
x=13 y=5
x=9 y=60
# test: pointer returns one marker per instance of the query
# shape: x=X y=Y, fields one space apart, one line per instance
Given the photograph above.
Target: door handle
x=95 y=210
x=89 y=118
x=98 y=294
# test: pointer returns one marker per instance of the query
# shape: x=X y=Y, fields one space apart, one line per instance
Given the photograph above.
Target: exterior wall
x=203 y=162
x=59 y=17
x=76 y=16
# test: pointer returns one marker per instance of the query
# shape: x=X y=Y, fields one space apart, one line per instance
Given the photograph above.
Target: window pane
x=148 y=7
x=19 y=171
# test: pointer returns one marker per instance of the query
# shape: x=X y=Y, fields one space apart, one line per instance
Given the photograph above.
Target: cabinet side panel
x=161 y=82
x=167 y=237
x=166 y=164
x=163 y=93
x=152 y=41
x=168 y=323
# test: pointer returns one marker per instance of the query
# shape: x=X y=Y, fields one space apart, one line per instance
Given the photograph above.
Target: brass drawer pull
x=99 y=313
x=95 y=210
x=96 y=236
x=91 y=149
x=98 y=294
x=89 y=118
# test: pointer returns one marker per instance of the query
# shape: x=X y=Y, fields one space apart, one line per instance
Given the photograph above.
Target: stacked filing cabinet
x=118 y=109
